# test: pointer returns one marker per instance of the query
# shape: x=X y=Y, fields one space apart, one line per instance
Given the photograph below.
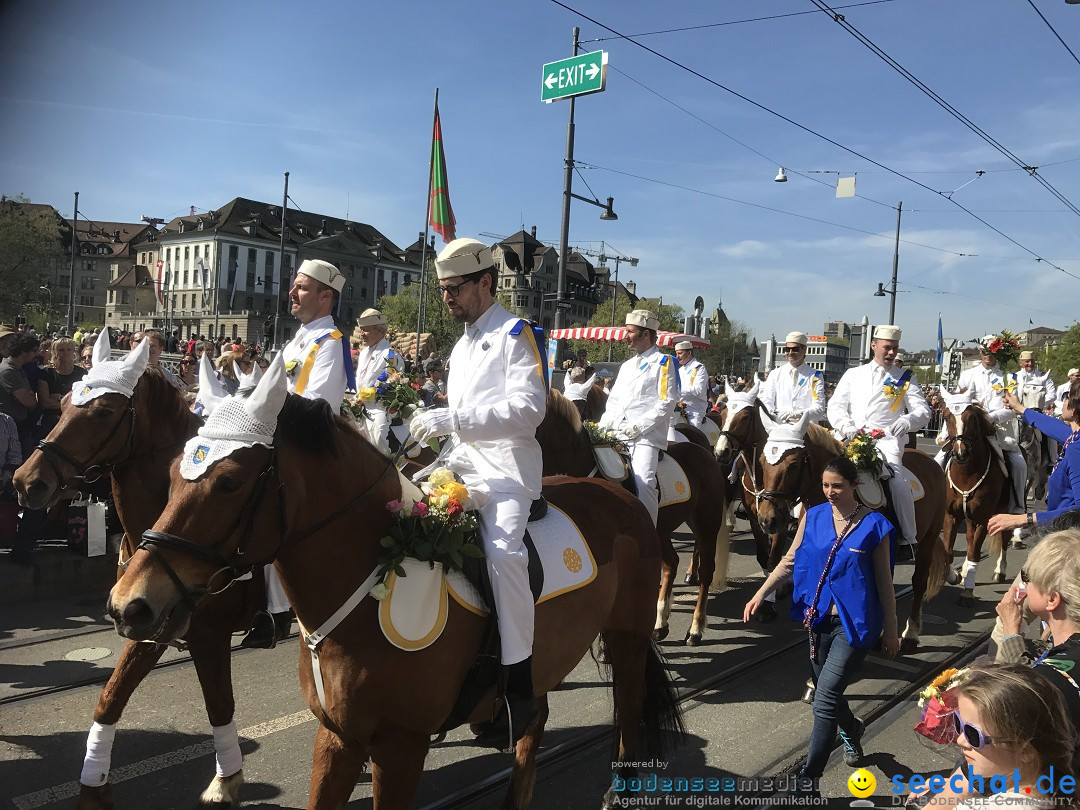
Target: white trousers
x=900 y=488
x=377 y=428
x=643 y=461
x=276 y=601
x=503 y=522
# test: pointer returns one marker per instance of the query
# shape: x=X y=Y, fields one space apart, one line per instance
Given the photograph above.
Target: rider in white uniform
x=641 y=402
x=880 y=395
x=496 y=398
x=792 y=390
x=375 y=357
x=1029 y=384
x=316 y=367
x=1063 y=389
x=578 y=381
x=987 y=382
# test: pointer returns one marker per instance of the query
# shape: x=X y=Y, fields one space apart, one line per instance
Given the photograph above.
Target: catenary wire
x=1054 y=32
x=810 y=131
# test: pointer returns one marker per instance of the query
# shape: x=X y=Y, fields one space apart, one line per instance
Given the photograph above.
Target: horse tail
x=662 y=726
x=939 y=563
x=723 y=555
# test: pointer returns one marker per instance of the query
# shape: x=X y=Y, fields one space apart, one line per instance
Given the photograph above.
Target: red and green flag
x=440 y=214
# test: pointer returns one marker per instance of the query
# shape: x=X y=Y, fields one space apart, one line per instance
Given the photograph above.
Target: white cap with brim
x=324 y=272
x=887 y=332
x=643 y=318
x=463 y=257
x=796 y=337
x=684 y=346
x=1073 y=371
x=371 y=317
x=1027 y=355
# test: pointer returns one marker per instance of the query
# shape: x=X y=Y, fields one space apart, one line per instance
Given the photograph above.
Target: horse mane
x=562 y=408
x=310 y=424
x=164 y=400
x=817 y=436
x=983 y=419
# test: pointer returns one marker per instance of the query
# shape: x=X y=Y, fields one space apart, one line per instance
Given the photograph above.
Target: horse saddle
x=872 y=490
x=413 y=614
x=610 y=463
x=711 y=431
x=674 y=484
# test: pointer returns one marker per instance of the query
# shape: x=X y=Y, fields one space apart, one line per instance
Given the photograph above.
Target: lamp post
x=891 y=291
x=71 y=269
x=615 y=286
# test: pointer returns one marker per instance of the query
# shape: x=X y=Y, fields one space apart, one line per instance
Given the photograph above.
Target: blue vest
x=850 y=585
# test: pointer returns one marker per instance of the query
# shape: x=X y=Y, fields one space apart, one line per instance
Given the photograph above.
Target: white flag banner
x=204 y=275
x=845 y=187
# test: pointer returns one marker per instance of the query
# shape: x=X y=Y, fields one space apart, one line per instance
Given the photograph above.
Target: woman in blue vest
x=841 y=566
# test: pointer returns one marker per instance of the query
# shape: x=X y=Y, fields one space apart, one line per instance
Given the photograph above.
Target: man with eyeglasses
x=375 y=358
x=880 y=395
x=796 y=388
x=496 y=398
x=641 y=403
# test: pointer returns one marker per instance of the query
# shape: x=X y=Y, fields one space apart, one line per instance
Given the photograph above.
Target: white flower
x=440 y=476
x=380 y=592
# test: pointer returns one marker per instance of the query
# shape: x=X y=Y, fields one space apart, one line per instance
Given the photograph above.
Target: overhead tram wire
x=1055 y=33
x=941 y=102
x=997 y=301
x=810 y=131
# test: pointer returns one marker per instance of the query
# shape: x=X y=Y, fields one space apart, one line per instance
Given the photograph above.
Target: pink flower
x=420 y=509
x=395 y=506
x=454 y=508
x=877 y=433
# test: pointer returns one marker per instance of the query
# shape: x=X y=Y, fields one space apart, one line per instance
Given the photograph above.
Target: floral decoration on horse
x=1003 y=347
x=862 y=450
x=441 y=527
x=604 y=437
x=938 y=703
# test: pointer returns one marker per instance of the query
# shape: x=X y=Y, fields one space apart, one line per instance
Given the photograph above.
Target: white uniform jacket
x=373 y=361
x=643 y=397
x=694 y=390
x=870 y=397
x=987 y=386
x=497 y=390
x=1030 y=379
x=316 y=368
x=795 y=390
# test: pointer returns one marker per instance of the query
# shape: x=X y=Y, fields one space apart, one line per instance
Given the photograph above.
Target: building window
x=234 y=259
x=249 y=303
x=183 y=301
x=124 y=297
x=268 y=275
x=252 y=261
x=187 y=252
x=185 y=276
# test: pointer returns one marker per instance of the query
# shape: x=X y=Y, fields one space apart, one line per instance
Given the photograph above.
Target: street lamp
x=615 y=286
x=882 y=291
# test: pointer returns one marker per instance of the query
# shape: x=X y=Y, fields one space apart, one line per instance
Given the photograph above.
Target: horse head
x=97 y=430
x=964 y=424
x=741 y=429
x=784 y=464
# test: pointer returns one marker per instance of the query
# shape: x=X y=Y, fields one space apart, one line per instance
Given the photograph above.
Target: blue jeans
x=835 y=668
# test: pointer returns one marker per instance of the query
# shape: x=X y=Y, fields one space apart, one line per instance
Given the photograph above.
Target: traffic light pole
x=568 y=183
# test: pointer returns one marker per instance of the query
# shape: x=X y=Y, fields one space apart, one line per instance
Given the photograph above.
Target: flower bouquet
x=1005 y=347
x=862 y=450
x=680 y=409
x=938 y=703
x=438 y=528
x=394 y=391
x=604 y=437
x=568 y=364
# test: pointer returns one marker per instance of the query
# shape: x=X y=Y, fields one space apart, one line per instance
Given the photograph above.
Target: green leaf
x=388 y=542
x=475 y=552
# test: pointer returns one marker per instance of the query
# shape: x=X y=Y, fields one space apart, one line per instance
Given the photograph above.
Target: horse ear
x=102 y=347
x=803 y=422
x=267 y=399
x=211 y=391
x=753 y=392
x=766 y=420
x=249 y=381
x=136 y=361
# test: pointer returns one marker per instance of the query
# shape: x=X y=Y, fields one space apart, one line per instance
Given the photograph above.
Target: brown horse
x=136 y=440
x=775 y=485
x=568 y=451
x=315 y=502
x=977 y=488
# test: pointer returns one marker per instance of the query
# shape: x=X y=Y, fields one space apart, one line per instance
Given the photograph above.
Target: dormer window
x=182 y=223
x=200 y=223
x=103 y=250
x=251 y=228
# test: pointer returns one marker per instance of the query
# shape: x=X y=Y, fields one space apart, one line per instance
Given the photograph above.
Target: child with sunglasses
x=1009 y=721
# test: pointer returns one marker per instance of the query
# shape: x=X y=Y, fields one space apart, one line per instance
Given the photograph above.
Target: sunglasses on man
x=792 y=349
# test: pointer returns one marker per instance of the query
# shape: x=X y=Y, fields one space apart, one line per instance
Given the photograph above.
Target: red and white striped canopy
x=613 y=334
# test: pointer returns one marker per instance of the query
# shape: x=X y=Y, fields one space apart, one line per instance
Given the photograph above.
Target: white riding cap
x=463 y=257
x=643 y=318
x=684 y=346
x=887 y=332
x=324 y=272
x=1027 y=355
x=371 y=317
x=796 y=337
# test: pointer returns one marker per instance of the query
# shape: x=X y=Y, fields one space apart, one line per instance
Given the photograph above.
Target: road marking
x=70 y=790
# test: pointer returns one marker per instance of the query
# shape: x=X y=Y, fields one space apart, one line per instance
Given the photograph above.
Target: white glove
x=629 y=432
x=846 y=432
x=900 y=428
x=431 y=424
x=787 y=416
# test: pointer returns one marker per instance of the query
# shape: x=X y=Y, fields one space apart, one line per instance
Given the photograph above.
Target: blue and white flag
x=940 y=343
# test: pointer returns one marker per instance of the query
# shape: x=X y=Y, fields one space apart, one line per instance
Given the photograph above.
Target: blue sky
x=149 y=108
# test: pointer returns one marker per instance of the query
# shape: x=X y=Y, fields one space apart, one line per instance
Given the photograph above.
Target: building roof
x=526 y=250
x=251 y=218
x=116 y=236
x=134 y=276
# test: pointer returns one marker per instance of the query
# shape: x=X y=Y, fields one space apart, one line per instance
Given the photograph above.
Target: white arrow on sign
x=550 y=81
x=592 y=70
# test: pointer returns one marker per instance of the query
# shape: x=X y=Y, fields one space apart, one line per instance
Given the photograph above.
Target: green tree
x=728 y=352
x=30 y=249
x=1064 y=355
x=400 y=312
x=671 y=320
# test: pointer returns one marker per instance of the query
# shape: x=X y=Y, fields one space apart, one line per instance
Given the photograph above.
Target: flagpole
x=427 y=218
x=217 y=283
x=281 y=267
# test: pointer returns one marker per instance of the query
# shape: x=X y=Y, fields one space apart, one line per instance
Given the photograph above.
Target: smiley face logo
x=861 y=783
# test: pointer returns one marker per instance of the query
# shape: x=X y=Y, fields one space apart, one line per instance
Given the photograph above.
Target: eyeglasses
x=187 y=362
x=792 y=349
x=453 y=290
x=1024 y=576
x=973 y=735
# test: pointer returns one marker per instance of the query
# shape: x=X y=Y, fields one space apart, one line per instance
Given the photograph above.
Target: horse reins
x=84 y=471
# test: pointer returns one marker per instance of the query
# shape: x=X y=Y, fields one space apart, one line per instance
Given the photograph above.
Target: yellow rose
x=366 y=395
x=440 y=476
x=455 y=491
x=290 y=366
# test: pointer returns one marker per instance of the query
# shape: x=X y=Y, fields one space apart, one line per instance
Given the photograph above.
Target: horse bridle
x=85 y=471
x=774 y=496
x=154 y=541
x=739 y=443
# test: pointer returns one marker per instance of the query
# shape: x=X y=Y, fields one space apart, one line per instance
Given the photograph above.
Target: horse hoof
x=690 y=578
x=660 y=633
x=908 y=646
x=223 y=792
x=693 y=639
x=766 y=613
x=1000 y=578
x=965 y=601
x=95 y=798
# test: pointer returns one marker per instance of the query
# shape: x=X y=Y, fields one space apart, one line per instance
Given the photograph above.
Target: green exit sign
x=576 y=76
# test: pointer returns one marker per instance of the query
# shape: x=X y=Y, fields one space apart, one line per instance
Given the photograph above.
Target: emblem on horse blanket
x=674 y=485
x=413 y=614
x=872 y=492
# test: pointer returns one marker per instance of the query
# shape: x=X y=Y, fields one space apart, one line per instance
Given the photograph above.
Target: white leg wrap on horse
x=98 y=760
x=227 y=749
x=967 y=572
x=276 y=600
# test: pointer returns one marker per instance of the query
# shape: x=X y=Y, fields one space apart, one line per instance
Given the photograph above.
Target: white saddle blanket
x=711 y=431
x=872 y=490
x=674 y=485
x=413 y=615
